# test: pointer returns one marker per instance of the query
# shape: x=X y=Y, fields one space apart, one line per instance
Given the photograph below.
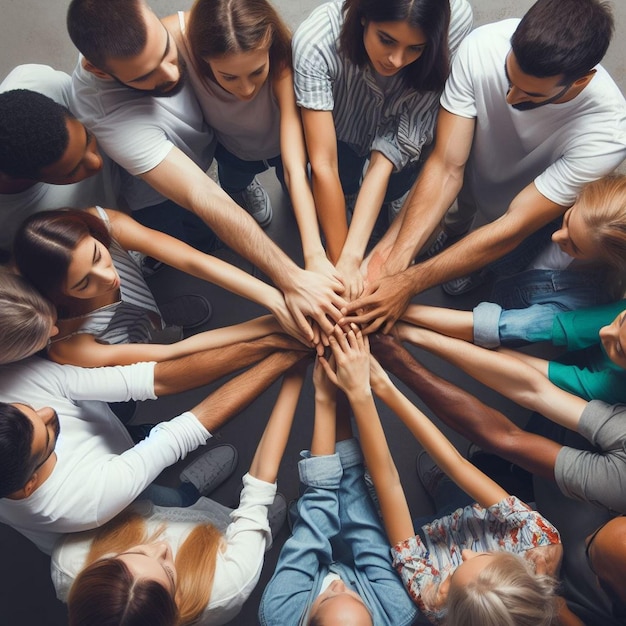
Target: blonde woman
x=178 y=567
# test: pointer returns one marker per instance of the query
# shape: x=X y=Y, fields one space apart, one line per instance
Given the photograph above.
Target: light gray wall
x=32 y=31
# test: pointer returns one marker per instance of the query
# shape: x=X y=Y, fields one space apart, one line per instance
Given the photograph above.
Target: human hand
x=379 y=379
x=325 y=389
x=380 y=305
x=311 y=295
x=320 y=264
x=351 y=353
x=352 y=277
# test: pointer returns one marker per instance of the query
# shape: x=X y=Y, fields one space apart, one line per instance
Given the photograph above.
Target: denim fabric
x=235 y=174
x=524 y=305
x=335 y=506
x=183 y=496
x=172 y=219
x=351 y=172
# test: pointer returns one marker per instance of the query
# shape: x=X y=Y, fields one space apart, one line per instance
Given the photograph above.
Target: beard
x=164 y=90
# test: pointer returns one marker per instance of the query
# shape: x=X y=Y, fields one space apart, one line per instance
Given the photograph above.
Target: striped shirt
x=386 y=116
x=134 y=316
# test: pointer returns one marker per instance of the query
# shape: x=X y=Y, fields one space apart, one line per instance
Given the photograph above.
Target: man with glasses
x=527 y=118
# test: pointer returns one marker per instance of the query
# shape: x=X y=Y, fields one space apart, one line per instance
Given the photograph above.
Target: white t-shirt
x=238 y=564
x=98 y=470
x=561 y=147
x=103 y=188
x=138 y=130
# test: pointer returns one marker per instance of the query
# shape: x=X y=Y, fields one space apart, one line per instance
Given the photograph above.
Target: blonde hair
x=603 y=207
x=195 y=565
x=26 y=318
x=507 y=592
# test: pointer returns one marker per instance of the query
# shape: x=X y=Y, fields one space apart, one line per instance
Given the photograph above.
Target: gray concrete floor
x=27 y=596
x=26 y=593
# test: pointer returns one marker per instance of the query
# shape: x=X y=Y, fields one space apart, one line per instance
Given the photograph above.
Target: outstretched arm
x=451 y=322
x=368 y=204
x=321 y=143
x=466 y=414
x=269 y=452
x=306 y=294
x=504 y=372
x=294 y=157
x=132 y=235
x=352 y=377
x=434 y=191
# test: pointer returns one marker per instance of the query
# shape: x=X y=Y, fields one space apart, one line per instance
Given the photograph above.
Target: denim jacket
x=337 y=530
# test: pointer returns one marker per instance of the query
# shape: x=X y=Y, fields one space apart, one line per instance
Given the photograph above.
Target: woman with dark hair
x=368 y=75
x=239 y=57
x=106 y=312
x=170 y=567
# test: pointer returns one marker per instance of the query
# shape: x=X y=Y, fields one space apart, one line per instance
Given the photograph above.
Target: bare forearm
x=451 y=322
x=201 y=368
x=466 y=414
x=434 y=192
x=271 y=448
x=235 y=395
x=331 y=208
x=505 y=373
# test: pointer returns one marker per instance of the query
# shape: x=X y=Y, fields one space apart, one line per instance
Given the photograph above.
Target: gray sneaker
x=428 y=472
x=277 y=514
x=209 y=471
x=395 y=206
x=464 y=284
x=254 y=200
x=188 y=311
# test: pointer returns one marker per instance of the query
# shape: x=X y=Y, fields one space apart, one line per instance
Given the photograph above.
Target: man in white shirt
x=68 y=464
x=527 y=118
x=129 y=89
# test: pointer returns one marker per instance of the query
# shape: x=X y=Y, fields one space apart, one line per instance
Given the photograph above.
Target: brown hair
x=219 y=28
x=430 y=71
x=44 y=244
x=95 y=597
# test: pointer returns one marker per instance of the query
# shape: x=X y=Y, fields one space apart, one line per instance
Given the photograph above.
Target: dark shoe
x=512 y=478
x=441 y=242
x=464 y=284
x=254 y=200
x=187 y=311
x=428 y=472
x=277 y=514
x=139 y=432
x=209 y=471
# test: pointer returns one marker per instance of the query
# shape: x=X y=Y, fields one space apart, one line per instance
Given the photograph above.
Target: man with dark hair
x=48 y=160
x=78 y=470
x=146 y=117
x=527 y=118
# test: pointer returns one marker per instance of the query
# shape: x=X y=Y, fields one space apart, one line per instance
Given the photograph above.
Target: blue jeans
x=524 y=305
x=235 y=174
x=184 y=495
x=172 y=219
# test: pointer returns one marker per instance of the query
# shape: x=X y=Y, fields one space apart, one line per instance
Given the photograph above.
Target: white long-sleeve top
x=98 y=470
x=239 y=562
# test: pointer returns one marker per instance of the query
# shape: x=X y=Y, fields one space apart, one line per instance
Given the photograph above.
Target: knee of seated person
x=606 y=551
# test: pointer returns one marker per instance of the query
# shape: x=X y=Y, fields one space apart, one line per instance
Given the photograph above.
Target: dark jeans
x=235 y=174
x=172 y=219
